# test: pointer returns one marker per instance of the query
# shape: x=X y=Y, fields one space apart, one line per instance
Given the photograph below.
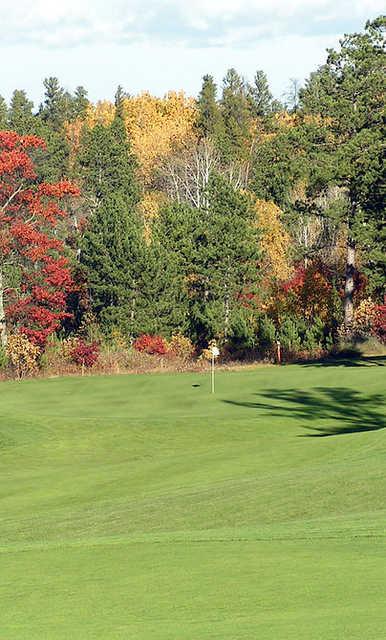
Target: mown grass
x=144 y=507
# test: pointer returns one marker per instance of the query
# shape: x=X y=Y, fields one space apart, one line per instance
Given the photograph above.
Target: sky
x=162 y=45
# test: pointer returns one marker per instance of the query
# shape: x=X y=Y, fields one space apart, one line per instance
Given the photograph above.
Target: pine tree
x=260 y=95
x=80 y=103
x=20 y=115
x=57 y=104
x=119 y=99
x=51 y=163
x=107 y=164
x=113 y=246
x=224 y=266
x=112 y=255
x=209 y=121
x=167 y=271
x=236 y=114
x=162 y=307
x=348 y=92
x=3 y=113
x=276 y=167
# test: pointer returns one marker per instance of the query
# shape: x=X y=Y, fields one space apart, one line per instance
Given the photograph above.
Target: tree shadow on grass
x=352 y=361
x=351 y=410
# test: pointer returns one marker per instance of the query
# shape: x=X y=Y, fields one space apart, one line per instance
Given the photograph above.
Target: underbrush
x=152 y=354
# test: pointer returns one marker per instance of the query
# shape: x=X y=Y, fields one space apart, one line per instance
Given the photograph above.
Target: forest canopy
x=231 y=216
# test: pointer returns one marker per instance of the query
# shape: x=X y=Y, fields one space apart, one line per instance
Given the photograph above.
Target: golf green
x=144 y=507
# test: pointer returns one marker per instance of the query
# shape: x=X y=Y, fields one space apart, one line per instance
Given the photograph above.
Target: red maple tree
x=35 y=276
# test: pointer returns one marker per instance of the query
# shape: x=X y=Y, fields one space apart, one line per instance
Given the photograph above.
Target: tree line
x=229 y=216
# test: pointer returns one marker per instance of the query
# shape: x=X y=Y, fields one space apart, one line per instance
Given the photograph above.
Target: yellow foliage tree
x=286 y=120
x=23 y=355
x=73 y=132
x=274 y=241
x=100 y=113
x=157 y=127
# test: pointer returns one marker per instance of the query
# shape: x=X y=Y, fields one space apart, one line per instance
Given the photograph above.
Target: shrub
x=89 y=328
x=379 y=323
x=308 y=292
x=364 y=318
x=181 y=346
x=266 y=332
x=314 y=336
x=22 y=355
x=370 y=320
x=67 y=347
x=57 y=355
x=85 y=353
x=290 y=334
x=153 y=345
x=302 y=339
x=242 y=332
x=117 y=340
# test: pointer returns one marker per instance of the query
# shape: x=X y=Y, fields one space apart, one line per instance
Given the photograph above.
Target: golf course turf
x=142 y=507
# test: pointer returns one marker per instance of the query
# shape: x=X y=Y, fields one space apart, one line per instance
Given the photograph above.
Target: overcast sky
x=167 y=44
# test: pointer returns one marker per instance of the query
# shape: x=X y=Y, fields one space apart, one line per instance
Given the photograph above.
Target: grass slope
x=143 y=507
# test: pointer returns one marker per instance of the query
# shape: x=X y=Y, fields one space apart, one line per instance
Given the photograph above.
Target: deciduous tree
x=34 y=270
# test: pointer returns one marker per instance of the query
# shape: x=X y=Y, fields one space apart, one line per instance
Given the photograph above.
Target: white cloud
x=158 y=68
x=195 y=22
x=168 y=44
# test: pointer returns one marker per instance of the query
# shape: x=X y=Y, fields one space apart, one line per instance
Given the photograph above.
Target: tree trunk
x=349 y=288
x=3 y=326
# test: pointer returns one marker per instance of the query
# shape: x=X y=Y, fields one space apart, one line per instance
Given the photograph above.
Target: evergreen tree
x=224 y=266
x=112 y=250
x=20 y=114
x=57 y=104
x=79 y=103
x=51 y=163
x=3 y=113
x=107 y=164
x=119 y=99
x=199 y=266
x=348 y=92
x=209 y=121
x=163 y=306
x=260 y=95
x=167 y=271
x=112 y=255
x=278 y=164
x=236 y=114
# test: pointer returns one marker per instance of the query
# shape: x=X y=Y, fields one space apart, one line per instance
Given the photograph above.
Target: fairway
x=143 y=507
